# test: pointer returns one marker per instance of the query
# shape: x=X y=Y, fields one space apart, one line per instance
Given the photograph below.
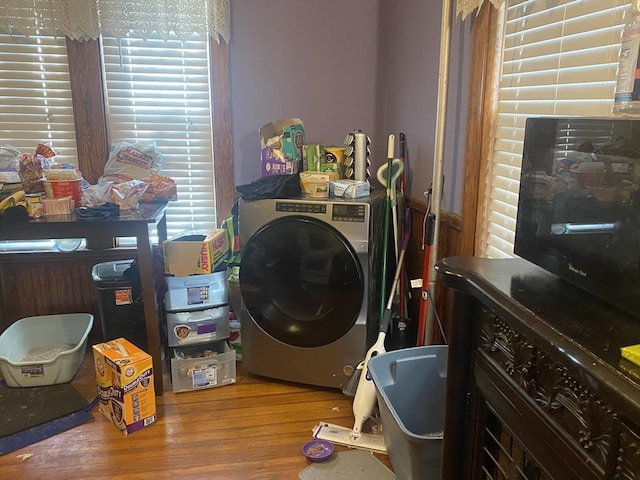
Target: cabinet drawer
x=202 y=366
x=189 y=328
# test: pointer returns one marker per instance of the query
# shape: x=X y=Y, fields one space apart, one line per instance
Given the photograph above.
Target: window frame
x=85 y=70
x=485 y=75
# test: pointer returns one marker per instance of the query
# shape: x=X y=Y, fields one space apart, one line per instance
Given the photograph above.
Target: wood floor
x=253 y=429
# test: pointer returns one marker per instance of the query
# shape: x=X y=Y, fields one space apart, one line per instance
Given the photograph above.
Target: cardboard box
x=349 y=188
x=313 y=157
x=274 y=163
x=124 y=377
x=318 y=158
x=334 y=160
x=285 y=135
x=195 y=253
x=316 y=184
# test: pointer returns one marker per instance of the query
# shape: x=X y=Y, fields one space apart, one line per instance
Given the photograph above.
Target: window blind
x=559 y=59
x=158 y=91
x=35 y=95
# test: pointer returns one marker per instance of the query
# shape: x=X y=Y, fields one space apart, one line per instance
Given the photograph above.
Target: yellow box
x=124 y=377
x=631 y=353
x=317 y=183
x=195 y=253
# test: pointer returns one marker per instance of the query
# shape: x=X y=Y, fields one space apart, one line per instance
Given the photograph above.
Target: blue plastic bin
x=410 y=387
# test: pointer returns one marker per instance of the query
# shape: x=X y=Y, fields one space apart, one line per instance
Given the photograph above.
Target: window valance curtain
x=465 y=7
x=88 y=19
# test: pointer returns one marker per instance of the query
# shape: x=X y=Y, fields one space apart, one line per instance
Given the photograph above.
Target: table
x=135 y=223
x=536 y=385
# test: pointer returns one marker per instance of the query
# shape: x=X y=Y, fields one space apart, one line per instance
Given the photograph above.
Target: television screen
x=579 y=204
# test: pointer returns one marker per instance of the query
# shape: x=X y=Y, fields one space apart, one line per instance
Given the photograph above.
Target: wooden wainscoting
x=449 y=244
x=43 y=283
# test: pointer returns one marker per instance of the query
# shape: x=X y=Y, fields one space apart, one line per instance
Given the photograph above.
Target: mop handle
x=387 y=213
x=396 y=277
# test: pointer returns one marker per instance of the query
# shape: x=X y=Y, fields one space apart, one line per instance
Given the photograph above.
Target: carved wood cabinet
x=536 y=386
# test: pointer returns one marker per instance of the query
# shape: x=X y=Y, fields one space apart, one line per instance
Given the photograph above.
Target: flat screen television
x=579 y=204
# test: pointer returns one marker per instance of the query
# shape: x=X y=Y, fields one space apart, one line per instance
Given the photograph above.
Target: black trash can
x=120 y=301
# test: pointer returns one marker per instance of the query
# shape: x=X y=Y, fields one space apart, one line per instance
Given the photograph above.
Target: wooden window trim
x=486 y=51
x=85 y=70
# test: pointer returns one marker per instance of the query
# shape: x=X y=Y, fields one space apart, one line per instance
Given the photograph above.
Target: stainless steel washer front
x=309 y=305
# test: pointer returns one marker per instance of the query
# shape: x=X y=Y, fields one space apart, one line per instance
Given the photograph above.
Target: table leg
x=145 y=266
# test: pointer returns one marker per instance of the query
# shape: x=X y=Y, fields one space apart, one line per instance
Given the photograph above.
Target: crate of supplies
x=201 y=326
x=196 y=292
x=44 y=350
x=203 y=366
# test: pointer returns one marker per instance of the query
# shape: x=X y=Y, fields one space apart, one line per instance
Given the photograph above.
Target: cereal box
x=124 y=377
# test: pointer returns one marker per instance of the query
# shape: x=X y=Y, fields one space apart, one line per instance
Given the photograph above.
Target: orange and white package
x=161 y=189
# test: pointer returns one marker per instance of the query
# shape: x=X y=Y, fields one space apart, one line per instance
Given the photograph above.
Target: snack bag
x=131 y=161
x=161 y=189
x=32 y=168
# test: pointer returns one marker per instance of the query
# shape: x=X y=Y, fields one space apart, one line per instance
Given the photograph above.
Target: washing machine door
x=301 y=281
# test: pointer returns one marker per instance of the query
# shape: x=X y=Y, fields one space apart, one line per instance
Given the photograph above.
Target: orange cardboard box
x=124 y=377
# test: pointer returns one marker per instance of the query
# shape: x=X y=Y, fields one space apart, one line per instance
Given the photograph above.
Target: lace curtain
x=465 y=7
x=88 y=19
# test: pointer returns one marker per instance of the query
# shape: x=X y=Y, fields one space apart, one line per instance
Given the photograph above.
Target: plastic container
x=203 y=366
x=189 y=328
x=44 y=350
x=119 y=303
x=196 y=292
x=410 y=387
x=626 y=101
x=65 y=188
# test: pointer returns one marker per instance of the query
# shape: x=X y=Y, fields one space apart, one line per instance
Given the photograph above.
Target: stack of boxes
x=197 y=311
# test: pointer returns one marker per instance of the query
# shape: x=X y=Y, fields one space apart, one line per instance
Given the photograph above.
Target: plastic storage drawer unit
x=196 y=292
x=203 y=366
x=189 y=328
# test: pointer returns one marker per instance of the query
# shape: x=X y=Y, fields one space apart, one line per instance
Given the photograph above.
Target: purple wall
x=314 y=60
x=409 y=55
x=341 y=65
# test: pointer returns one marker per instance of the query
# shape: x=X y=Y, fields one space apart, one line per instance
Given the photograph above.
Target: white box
x=44 y=350
x=196 y=292
x=196 y=371
x=188 y=328
x=349 y=188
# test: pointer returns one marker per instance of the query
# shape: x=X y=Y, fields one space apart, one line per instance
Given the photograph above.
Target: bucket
x=64 y=188
x=410 y=387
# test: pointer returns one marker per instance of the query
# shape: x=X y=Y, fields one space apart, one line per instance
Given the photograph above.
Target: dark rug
x=28 y=415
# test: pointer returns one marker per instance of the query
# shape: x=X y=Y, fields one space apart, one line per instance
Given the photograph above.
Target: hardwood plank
x=253 y=429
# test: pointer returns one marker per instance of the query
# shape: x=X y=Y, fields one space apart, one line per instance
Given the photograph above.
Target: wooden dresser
x=536 y=387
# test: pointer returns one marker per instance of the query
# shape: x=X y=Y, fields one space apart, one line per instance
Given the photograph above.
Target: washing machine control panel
x=348 y=213
x=340 y=212
x=296 y=207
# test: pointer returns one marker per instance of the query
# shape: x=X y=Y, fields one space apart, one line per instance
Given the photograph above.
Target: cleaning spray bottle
x=627 y=95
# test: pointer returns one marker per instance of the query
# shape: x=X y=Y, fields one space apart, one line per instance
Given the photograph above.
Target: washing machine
x=310 y=280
